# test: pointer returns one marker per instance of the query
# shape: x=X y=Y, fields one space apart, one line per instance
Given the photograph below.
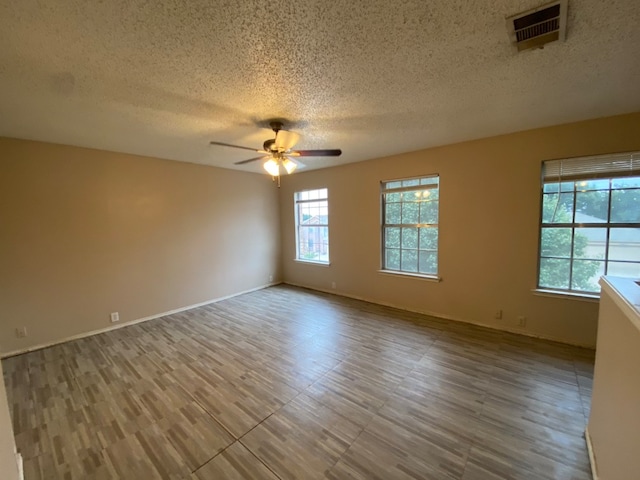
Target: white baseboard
x=443 y=316
x=20 y=466
x=332 y=292
x=592 y=455
x=130 y=322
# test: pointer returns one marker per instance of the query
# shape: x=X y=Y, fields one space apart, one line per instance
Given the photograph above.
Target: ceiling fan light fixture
x=272 y=167
x=279 y=150
x=289 y=165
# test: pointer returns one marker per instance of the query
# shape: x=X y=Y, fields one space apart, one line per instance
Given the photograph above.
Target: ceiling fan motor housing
x=270 y=145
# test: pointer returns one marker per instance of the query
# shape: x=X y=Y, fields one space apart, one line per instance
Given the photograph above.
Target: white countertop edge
x=625 y=292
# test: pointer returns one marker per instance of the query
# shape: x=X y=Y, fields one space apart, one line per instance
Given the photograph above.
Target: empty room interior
x=320 y=240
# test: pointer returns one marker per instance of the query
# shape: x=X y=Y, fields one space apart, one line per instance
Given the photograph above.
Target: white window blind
x=600 y=166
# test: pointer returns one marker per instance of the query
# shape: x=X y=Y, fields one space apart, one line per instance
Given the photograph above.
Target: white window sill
x=428 y=278
x=585 y=297
x=311 y=262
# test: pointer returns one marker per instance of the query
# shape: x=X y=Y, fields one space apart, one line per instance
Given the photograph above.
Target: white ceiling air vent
x=539 y=26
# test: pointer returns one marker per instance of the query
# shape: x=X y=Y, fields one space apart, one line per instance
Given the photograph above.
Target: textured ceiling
x=163 y=78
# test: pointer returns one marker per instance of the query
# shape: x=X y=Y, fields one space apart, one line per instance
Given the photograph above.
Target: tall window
x=312 y=226
x=410 y=225
x=590 y=221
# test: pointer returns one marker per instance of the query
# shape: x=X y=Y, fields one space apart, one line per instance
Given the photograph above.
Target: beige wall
x=614 y=421
x=88 y=232
x=489 y=221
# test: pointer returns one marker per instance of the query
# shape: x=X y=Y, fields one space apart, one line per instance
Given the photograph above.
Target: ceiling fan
x=278 y=152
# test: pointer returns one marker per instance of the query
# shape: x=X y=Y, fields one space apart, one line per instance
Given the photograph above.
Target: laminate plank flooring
x=287 y=383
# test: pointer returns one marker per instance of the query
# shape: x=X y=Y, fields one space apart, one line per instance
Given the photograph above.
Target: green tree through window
x=410 y=225
x=557 y=241
x=590 y=221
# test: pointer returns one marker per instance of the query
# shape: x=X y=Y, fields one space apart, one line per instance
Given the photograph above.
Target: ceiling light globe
x=289 y=165
x=272 y=167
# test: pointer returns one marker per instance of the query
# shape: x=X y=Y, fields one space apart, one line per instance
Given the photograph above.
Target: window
x=590 y=221
x=410 y=225
x=312 y=226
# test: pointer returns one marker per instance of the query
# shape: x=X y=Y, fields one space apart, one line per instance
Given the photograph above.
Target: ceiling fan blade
x=286 y=139
x=233 y=146
x=242 y=162
x=316 y=153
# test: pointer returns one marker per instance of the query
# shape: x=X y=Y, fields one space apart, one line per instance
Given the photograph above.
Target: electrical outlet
x=522 y=321
x=333 y=285
x=271 y=278
x=21 y=332
x=498 y=315
x=115 y=317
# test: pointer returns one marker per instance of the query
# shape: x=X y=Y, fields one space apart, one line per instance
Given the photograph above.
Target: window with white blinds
x=590 y=221
x=600 y=166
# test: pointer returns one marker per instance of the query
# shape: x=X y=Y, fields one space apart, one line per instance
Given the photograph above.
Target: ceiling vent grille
x=535 y=28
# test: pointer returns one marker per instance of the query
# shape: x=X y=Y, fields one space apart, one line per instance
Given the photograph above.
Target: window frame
x=297 y=203
x=384 y=189
x=576 y=171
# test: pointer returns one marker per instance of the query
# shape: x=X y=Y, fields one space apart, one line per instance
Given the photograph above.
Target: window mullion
x=606 y=246
x=400 y=249
x=573 y=236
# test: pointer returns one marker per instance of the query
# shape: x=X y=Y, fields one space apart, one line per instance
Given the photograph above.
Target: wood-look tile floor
x=286 y=383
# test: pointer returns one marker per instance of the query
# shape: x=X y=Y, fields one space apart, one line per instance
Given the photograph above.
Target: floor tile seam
x=172 y=443
x=239 y=439
x=267 y=466
x=476 y=443
x=309 y=394
x=320 y=330
x=564 y=433
x=305 y=392
x=76 y=377
x=403 y=377
x=210 y=414
x=377 y=411
x=340 y=362
x=547 y=377
x=213 y=417
x=534 y=469
x=204 y=409
x=542 y=380
x=337 y=412
x=492 y=383
x=347 y=357
x=377 y=415
x=216 y=455
x=101 y=450
x=475 y=431
x=582 y=401
x=407 y=374
x=362 y=430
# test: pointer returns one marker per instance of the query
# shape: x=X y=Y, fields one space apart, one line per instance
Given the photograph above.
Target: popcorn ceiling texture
x=162 y=78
